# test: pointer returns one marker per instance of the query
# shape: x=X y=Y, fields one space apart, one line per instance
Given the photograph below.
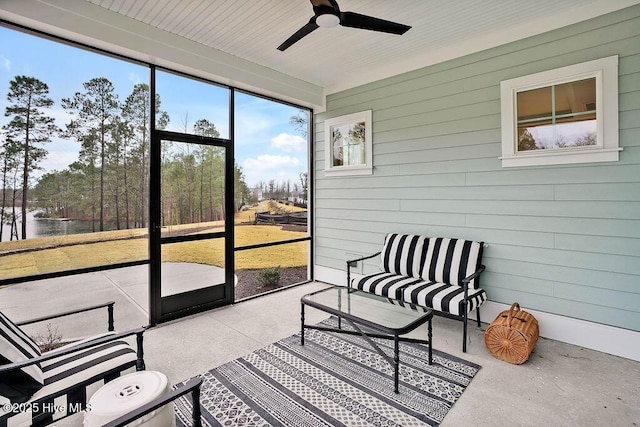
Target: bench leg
x=140 y=365
x=478 y=316
x=464 y=332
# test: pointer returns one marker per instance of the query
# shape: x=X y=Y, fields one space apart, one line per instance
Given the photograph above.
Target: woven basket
x=513 y=335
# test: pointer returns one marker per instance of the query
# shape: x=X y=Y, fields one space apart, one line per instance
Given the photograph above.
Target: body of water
x=44 y=227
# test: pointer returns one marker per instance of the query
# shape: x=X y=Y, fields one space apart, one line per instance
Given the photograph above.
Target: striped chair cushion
x=71 y=380
x=402 y=254
x=16 y=346
x=443 y=297
x=451 y=260
x=385 y=284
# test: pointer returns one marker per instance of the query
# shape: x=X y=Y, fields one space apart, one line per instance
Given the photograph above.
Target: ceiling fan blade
x=322 y=3
x=356 y=20
x=309 y=27
x=321 y=7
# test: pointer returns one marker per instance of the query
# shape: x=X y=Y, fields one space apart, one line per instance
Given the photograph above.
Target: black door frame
x=169 y=308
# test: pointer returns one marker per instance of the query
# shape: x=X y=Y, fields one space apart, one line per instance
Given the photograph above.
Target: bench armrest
x=73 y=348
x=353 y=261
x=472 y=276
x=109 y=306
x=468 y=279
x=349 y=262
x=192 y=386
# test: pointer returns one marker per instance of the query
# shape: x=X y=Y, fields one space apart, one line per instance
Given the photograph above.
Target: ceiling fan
x=326 y=13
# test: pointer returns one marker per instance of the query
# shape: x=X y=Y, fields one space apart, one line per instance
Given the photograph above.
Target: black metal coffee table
x=386 y=318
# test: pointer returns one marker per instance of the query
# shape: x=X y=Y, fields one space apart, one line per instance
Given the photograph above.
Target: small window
x=348 y=144
x=567 y=115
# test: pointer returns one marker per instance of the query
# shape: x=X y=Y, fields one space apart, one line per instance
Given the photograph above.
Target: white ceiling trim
x=483 y=42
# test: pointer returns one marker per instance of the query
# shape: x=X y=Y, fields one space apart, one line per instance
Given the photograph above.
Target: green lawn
x=45 y=255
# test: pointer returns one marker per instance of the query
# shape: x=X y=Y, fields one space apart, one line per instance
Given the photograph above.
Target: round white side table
x=127 y=393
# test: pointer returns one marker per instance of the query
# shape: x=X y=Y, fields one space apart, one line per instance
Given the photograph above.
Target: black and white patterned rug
x=333 y=380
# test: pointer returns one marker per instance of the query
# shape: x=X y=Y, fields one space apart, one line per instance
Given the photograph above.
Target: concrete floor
x=560 y=385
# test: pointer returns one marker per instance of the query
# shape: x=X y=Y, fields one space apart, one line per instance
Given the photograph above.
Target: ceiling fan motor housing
x=327 y=20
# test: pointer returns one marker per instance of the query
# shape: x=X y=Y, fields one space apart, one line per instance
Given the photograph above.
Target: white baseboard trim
x=330 y=275
x=607 y=339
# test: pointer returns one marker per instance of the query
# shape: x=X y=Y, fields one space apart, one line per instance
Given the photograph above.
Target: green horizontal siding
x=621 y=191
x=593 y=226
x=538 y=208
x=562 y=239
x=586 y=277
x=459 y=193
x=588 y=174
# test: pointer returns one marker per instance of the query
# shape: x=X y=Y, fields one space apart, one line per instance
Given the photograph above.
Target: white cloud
x=271 y=162
x=60 y=115
x=57 y=160
x=289 y=143
x=266 y=167
x=6 y=63
x=135 y=78
x=251 y=129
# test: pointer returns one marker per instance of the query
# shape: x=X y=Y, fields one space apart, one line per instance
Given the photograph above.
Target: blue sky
x=267 y=145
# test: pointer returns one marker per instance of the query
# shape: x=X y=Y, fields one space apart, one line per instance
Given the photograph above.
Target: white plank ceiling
x=339 y=58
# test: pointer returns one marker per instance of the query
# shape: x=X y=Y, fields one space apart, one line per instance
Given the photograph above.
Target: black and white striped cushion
x=451 y=260
x=16 y=346
x=443 y=297
x=385 y=284
x=71 y=380
x=402 y=254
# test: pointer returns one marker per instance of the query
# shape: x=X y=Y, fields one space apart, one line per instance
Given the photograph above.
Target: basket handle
x=515 y=307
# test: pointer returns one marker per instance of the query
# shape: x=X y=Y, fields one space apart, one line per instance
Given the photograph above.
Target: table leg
x=430 y=337
x=396 y=362
x=301 y=323
x=340 y=308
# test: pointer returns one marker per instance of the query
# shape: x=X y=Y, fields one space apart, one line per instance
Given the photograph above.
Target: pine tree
x=28 y=129
x=95 y=111
x=136 y=113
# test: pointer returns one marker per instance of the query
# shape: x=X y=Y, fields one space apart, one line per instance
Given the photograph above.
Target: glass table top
x=368 y=309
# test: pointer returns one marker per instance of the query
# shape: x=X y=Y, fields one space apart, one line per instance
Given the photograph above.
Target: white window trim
x=367 y=168
x=605 y=71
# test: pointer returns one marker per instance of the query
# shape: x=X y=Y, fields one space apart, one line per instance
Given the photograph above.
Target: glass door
x=191 y=236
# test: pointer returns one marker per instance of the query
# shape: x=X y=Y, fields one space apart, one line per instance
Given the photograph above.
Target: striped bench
x=439 y=273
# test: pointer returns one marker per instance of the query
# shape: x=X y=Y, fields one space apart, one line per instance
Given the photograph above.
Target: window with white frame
x=561 y=116
x=348 y=145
